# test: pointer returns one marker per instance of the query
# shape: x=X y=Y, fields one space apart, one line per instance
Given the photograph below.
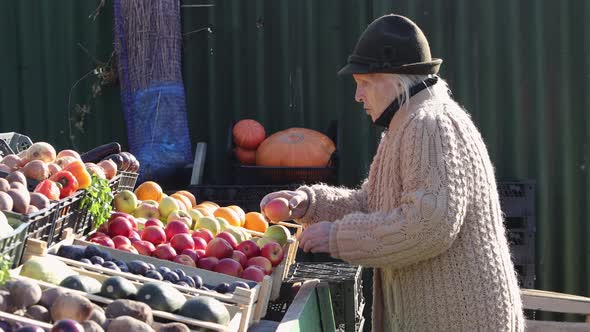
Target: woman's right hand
x=297 y=203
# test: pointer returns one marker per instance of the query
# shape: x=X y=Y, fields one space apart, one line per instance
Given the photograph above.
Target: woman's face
x=375 y=91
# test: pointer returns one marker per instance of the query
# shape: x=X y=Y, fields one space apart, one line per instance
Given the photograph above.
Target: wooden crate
x=234 y=310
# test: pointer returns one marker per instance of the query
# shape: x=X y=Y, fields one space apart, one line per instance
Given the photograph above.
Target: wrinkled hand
x=316 y=238
x=298 y=201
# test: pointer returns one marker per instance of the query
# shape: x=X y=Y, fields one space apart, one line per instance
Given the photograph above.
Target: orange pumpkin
x=246 y=157
x=295 y=147
x=248 y=134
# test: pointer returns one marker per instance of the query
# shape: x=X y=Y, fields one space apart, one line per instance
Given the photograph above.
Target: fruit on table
x=227 y=236
x=227 y=213
x=205 y=309
x=48 y=188
x=149 y=190
x=210 y=223
x=219 y=248
x=254 y=273
x=255 y=221
x=248 y=134
x=145 y=210
x=175 y=227
x=180 y=215
x=182 y=241
x=295 y=147
x=261 y=262
x=203 y=233
x=185 y=201
x=278 y=233
x=154 y=234
x=240 y=257
x=229 y=266
x=249 y=248
x=165 y=251
x=160 y=296
x=245 y=156
x=125 y=201
x=188 y=195
x=273 y=252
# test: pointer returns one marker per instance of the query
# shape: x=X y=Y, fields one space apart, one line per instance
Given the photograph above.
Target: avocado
x=206 y=309
x=118 y=288
x=160 y=296
x=82 y=283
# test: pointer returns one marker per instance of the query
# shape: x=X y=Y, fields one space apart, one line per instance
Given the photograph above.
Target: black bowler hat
x=392 y=44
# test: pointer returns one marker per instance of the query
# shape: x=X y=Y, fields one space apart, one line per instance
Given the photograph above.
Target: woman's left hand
x=316 y=238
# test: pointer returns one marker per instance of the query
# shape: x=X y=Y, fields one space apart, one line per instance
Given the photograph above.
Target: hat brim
x=419 y=68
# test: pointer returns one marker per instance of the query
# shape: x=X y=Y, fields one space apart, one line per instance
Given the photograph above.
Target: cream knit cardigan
x=428 y=220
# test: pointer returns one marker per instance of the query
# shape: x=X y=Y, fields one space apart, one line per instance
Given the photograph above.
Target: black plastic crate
x=16 y=142
x=345 y=290
x=40 y=223
x=69 y=215
x=258 y=175
x=13 y=245
x=246 y=197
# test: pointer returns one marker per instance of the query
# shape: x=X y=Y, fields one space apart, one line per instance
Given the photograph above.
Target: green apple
x=125 y=201
x=223 y=223
x=236 y=233
x=195 y=215
x=264 y=240
x=167 y=205
x=181 y=216
x=209 y=223
x=279 y=233
x=151 y=201
x=147 y=211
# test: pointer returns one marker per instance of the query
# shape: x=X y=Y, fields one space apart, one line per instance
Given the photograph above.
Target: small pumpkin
x=295 y=147
x=248 y=134
x=246 y=157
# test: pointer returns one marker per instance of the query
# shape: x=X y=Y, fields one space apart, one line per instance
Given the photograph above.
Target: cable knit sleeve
x=433 y=203
x=327 y=203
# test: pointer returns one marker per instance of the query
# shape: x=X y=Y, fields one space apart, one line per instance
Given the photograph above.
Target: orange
x=188 y=195
x=255 y=221
x=149 y=190
x=240 y=213
x=184 y=200
x=228 y=214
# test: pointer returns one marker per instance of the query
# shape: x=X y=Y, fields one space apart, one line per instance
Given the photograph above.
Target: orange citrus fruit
x=228 y=214
x=184 y=200
x=149 y=190
x=255 y=221
x=240 y=213
x=188 y=195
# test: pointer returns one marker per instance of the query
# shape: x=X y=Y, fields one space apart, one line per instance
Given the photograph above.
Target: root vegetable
x=71 y=306
x=24 y=293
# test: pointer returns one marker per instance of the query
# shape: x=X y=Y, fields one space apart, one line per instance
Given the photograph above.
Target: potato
x=71 y=306
x=91 y=326
x=173 y=327
x=137 y=310
x=49 y=295
x=128 y=324
x=38 y=312
x=97 y=315
x=24 y=293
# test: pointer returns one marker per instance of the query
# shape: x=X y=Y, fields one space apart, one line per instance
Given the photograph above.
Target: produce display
x=293 y=147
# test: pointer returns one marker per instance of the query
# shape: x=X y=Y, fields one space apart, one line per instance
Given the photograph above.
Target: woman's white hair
x=405 y=82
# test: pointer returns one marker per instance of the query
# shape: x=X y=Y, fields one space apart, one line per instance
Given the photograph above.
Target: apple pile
x=231 y=251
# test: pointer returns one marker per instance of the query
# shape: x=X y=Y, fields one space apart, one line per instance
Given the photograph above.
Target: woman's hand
x=298 y=202
x=316 y=238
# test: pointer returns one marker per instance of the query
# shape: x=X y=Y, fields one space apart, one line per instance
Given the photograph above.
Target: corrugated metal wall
x=521 y=68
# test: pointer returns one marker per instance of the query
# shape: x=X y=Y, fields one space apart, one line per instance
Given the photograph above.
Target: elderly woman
x=428 y=217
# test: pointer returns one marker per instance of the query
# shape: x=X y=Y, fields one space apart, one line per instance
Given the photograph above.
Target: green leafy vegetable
x=98 y=200
x=4 y=267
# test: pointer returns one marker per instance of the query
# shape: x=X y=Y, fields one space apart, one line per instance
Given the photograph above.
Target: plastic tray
x=17 y=142
x=13 y=245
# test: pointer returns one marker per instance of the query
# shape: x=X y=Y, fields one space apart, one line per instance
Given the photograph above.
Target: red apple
x=120 y=226
x=190 y=253
x=240 y=257
x=200 y=243
x=153 y=222
x=261 y=262
x=182 y=241
x=165 y=251
x=229 y=266
x=220 y=248
x=129 y=248
x=204 y=233
x=103 y=240
x=119 y=214
x=104 y=228
x=253 y=273
x=154 y=234
x=277 y=209
x=95 y=234
x=207 y=263
x=229 y=238
x=185 y=260
x=133 y=222
x=250 y=248
x=200 y=253
x=273 y=252
x=134 y=236
x=144 y=247
x=175 y=227
x=120 y=240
